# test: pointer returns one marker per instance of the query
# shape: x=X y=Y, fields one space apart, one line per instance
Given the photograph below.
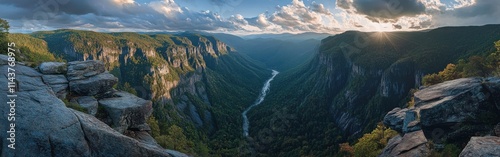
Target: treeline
x=28 y=49
x=475 y=66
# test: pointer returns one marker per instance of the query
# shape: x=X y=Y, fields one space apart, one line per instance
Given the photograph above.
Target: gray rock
x=488 y=146
x=87 y=102
x=46 y=127
x=127 y=111
x=394 y=119
x=93 y=85
x=453 y=101
x=55 y=79
x=53 y=68
x=492 y=84
x=4 y=59
x=412 y=126
x=142 y=136
x=412 y=144
x=82 y=69
x=107 y=142
x=58 y=83
x=410 y=122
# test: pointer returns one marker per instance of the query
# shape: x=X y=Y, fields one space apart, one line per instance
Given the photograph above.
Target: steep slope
x=196 y=82
x=278 y=52
x=354 y=80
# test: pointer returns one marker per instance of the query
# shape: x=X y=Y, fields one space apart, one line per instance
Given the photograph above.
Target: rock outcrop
x=482 y=146
x=410 y=145
x=127 y=112
x=450 y=112
x=46 y=127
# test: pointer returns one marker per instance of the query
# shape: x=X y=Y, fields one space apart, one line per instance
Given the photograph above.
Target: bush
x=372 y=144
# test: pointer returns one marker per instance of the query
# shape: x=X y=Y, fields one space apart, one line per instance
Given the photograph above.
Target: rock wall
x=450 y=112
x=46 y=127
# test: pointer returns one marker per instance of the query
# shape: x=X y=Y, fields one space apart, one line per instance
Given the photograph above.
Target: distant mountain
x=289 y=36
x=354 y=80
x=196 y=82
x=279 y=53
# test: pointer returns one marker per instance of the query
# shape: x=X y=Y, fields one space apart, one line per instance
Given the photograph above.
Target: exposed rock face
x=482 y=146
x=395 y=118
x=93 y=85
x=459 y=108
x=53 y=68
x=87 y=102
x=453 y=101
x=127 y=112
x=89 y=78
x=58 y=83
x=46 y=127
x=78 y=70
x=410 y=145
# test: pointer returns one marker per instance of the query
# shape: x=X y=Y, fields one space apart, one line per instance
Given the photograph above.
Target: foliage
x=175 y=139
x=4 y=31
x=74 y=106
x=345 y=150
x=126 y=87
x=155 y=128
x=372 y=144
x=450 y=150
x=474 y=66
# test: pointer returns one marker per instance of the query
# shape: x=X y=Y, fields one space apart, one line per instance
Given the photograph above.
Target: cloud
x=383 y=10
x=396 y=26
x=320 y=8
x=296 y=16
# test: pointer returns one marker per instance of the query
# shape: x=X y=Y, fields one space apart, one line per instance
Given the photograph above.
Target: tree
x=4 y=31
x=372 y=144
x=155 y=128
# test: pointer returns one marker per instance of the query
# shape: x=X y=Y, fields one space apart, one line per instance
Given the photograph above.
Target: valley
x=212 y=93
x=260 y=99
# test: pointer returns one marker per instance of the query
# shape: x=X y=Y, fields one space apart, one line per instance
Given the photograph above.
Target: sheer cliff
x=196 y=82
x=354 y=80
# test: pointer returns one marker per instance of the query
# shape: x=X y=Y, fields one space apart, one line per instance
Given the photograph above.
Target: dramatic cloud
x=294 y=16
x=383 y=10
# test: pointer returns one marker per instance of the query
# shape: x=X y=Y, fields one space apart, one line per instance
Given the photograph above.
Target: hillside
x=354 y=80
x=197 y=83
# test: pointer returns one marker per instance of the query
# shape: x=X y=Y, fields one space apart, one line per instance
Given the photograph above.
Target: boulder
x=53 y=68
x=482 y=146
x=83 y=69
x=58 y=83
x=127 y=112
x=93 y=85
x=46 y=127
x=412 y=144
x=394 y=119
x=457 y=101
x=410 y=122
x=87 y=102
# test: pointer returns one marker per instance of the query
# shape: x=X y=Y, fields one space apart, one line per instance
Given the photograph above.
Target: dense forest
x=345 y=90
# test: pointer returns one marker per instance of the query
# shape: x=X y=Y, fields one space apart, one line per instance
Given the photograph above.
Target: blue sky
x=247 y=16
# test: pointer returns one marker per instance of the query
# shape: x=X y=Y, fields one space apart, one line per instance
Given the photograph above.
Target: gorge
x=203 y=91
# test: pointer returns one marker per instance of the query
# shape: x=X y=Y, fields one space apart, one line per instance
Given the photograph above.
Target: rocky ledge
x=463 y=112
x=44 y=126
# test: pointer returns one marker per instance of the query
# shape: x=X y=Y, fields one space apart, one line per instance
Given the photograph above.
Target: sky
x=243 y=17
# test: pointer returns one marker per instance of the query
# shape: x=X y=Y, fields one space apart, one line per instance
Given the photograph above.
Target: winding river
x=262 y=95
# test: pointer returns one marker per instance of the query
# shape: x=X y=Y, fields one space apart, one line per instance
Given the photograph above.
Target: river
x=262 y=95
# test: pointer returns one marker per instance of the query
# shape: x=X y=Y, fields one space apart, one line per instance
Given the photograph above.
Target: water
x=262 y=95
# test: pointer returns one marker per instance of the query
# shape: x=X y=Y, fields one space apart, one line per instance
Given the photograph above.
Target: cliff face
x=195 y=82
x=451 y=112
x=44 y=126
x=163 y=68
x=358 y=77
